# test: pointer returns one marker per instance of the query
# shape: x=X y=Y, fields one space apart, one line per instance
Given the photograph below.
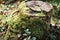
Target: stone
x=39 y=5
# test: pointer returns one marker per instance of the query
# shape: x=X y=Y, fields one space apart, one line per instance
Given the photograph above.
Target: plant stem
x=7 y=33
